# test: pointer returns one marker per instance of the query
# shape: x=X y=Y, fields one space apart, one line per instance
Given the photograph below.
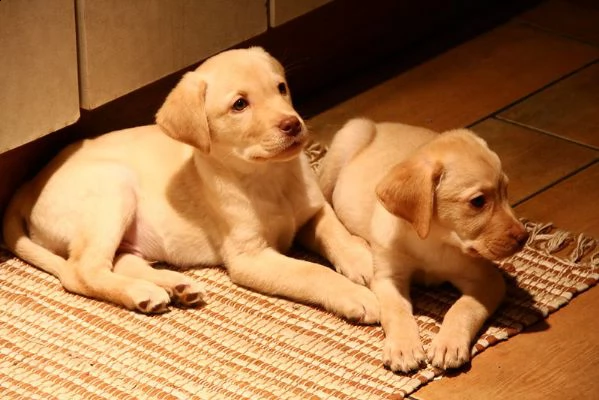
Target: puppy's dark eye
x=478 y=201
x=240 y=104
x=282 y=88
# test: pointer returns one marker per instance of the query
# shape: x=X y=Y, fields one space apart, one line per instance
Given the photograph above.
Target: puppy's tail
x=17 y=240
x=352 y=138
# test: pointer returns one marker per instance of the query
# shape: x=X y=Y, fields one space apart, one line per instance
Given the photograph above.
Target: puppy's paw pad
x=359 y=306
x=147 y=307
x=403 y=355
x=149 y=298
x=448 y=352
x=190 y=294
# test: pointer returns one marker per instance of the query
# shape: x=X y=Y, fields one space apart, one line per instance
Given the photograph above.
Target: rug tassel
x=315 y=152
x=594 y=261
x=584 y=245
x=542 y=238
x=535 y=229
x=557 y=241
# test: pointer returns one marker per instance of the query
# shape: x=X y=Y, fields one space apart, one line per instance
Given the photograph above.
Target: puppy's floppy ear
x=183 y=114
x=408 y=191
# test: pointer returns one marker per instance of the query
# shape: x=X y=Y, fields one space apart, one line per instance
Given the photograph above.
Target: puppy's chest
x=436 y=266
x=280 y=212
x=428 y=277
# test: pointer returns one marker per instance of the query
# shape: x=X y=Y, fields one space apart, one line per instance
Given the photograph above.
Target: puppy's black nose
x=291 y=126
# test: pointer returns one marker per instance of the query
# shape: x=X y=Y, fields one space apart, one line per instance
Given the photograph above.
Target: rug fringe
x=546 y=238
x=584 y=245
x=315 y=152
x=543 y=236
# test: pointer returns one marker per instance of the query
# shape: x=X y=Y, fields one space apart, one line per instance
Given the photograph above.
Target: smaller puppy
x=434 y=208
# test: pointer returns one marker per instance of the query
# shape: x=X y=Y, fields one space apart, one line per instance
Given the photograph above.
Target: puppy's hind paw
x=148 y=298
x=190 y=294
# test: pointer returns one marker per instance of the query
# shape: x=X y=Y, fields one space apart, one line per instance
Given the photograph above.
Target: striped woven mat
x=54 y=344
x=241 y=344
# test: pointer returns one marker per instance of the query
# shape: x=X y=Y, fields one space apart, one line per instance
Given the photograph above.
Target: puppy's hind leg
x=184 y=290
x=107 y=209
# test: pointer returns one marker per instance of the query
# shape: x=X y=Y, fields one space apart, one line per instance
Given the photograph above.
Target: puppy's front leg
x=272 y=273
x=481 y=295
x=350 y=255
x=402 y=350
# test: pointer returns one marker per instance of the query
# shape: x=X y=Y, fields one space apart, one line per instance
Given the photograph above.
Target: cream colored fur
x=433 y=208
x=221 y=179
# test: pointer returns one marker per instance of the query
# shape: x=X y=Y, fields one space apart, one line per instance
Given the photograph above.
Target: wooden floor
x=530 y=87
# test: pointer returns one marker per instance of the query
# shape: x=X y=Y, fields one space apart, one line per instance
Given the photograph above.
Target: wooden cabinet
x=63 y=55
x=124 y=45
x=38 y=69
x=282 y=11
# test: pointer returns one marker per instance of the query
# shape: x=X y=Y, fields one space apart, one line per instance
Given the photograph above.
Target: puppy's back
x=350 y=140
x=400 y=140
x=360 y=155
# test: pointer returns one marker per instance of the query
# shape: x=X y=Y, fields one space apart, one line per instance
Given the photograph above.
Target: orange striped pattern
x=241 y=345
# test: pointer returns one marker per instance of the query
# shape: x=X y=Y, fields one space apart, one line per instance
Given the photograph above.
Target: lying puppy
x=220 y=180
x=434 y=208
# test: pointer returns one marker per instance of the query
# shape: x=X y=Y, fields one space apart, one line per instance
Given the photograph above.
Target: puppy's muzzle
x=291 y=126
x=515 y=239
x=519 y=234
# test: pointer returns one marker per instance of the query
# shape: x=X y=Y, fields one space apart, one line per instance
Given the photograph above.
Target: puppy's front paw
x=146 y=297
x=357 y=265
x=449 y=351
x=359 y=305
x=403 y=354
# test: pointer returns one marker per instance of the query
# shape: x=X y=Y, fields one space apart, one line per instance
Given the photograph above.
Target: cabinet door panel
x=125 y=45
x=38 y=69
x=282 y=11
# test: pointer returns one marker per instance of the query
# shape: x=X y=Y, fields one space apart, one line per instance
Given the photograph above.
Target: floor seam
x=557 y=181
x=535 y=92
x=555 y=33
x=545 y=132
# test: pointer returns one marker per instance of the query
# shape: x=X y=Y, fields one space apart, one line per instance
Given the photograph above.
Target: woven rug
x=54 y=344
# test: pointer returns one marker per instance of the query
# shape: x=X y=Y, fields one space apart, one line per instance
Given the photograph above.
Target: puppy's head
x=237 y=102
x=455 y=185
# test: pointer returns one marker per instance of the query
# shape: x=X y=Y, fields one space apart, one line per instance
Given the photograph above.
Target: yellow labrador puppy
x=221 y=179
x=434 y=208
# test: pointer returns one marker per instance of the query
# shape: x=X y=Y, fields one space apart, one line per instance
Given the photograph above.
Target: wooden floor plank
x=569 y=108
x=555 y=360
x=466 y=83
x=532 y=160
x=571 y=204
x=578 y=20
